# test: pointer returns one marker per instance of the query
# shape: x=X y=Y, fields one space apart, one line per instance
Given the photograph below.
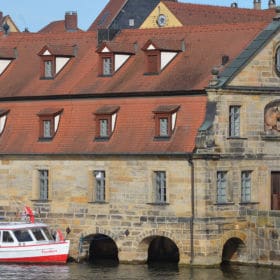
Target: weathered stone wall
x=129 y=201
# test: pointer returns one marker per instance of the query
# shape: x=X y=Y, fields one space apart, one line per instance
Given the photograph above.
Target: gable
x=160 y=17
x=260 y=69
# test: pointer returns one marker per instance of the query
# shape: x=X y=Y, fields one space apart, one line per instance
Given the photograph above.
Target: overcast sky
x=35 y=14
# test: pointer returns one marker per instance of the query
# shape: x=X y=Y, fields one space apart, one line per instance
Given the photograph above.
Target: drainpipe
x=190 y=160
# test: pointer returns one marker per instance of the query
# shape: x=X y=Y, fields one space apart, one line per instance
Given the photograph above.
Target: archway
x=101 y=248
x=162 y=249
x=232 y=250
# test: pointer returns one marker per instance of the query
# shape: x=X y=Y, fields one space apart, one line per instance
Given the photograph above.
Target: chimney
x=1 y=17
x=257 y=4
x=271 y=4
x=71 y=21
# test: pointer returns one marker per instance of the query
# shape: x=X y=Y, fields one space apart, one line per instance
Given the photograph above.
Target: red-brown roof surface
x=134 y=131
x=190 y=70
x=135 y=126
x=107 y=15
x=196 y=14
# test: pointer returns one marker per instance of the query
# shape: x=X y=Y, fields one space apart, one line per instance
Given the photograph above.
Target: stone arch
x=87 y=238
x=144 y=240
x=234 y=237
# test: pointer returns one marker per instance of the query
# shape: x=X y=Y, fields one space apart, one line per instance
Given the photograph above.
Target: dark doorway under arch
x=163 y=249
x=101 y=248
x=232 y=250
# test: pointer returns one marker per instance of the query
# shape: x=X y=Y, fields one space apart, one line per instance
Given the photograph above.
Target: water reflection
x=113 y=271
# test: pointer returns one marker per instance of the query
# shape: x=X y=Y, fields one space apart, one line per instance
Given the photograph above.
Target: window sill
x=162 y=138
x=151 y=74
x=101 y=139
x=248 y=203
x=236 y=138
x=47 y=78
x=98 y=202
x=41 y=200
x=106 y=76
x=224 y=203
x=45 y=139
x=158 y=203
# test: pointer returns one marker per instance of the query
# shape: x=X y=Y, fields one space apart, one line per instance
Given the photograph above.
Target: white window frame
x=160 y=187
x=222 y=185
x=246 y=186
x=234 y=121
x=100 y=186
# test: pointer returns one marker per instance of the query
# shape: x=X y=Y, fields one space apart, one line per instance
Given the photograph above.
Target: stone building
x=126 y=144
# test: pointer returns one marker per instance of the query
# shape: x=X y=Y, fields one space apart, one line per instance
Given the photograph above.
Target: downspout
x=190 y=160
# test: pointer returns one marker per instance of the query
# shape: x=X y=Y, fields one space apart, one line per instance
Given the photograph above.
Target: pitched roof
x=77 y=127
x=107 y=15
x=56 y=27
x=190 y=70
x=197 y=14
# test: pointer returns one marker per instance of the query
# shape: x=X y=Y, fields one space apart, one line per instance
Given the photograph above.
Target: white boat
x=31 y=242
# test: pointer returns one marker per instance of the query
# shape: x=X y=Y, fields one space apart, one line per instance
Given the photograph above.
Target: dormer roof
x=116 y=47
x=57 y=50
x=164 y=44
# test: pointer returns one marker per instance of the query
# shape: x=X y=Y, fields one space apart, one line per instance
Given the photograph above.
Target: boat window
x=7 y=238
x=38 y=234
x=22 y=235
x=47 y=233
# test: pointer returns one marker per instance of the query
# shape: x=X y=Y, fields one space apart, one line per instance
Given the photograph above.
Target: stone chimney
x=271 y=4
x=71 y=21
x=257 y=4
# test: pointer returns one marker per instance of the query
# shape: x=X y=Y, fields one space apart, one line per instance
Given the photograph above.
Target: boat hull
x=55 y=252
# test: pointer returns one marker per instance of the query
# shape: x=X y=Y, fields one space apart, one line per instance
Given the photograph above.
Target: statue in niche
x=272 y=119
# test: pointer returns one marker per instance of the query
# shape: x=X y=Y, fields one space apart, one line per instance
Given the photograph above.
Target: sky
x=35 y=14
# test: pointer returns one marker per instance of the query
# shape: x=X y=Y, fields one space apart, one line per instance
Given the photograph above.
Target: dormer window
x=48 y=123
x=112 y=57
x=7 y=55
x=106 y=117
x=54 y=59
x=165 y=121
x=3 y=119
x=159 y=53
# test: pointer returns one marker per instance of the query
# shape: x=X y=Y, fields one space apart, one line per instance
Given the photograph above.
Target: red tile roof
x=181 y=83
x=55 y=27
x=107 y=15
x=77 y=129
x=196 y=14
x=190 y=70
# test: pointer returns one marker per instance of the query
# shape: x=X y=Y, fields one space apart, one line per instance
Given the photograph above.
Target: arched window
x=277 y=60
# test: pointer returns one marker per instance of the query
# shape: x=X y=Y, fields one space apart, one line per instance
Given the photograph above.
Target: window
x=48 y=69
x=153 y=63
x=3 y=119
x=47 y=129
x=22 y=235
x=43 y=184
x=48 y=123
x=165 y=120
x=107 y=66
x=234 y=121
x=245 y=186
x=54 y=58
x=38 y=234
x=106 y=117
x=7 y=238
x=277 y=60
x=104 y=128
x=221 y=187
x=163 y=127
x=99 y=193
x=160 y=186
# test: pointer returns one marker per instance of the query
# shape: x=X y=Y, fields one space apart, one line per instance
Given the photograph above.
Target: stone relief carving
x=272 y=119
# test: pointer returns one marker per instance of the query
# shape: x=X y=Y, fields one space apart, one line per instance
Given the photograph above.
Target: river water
x=74 y=271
